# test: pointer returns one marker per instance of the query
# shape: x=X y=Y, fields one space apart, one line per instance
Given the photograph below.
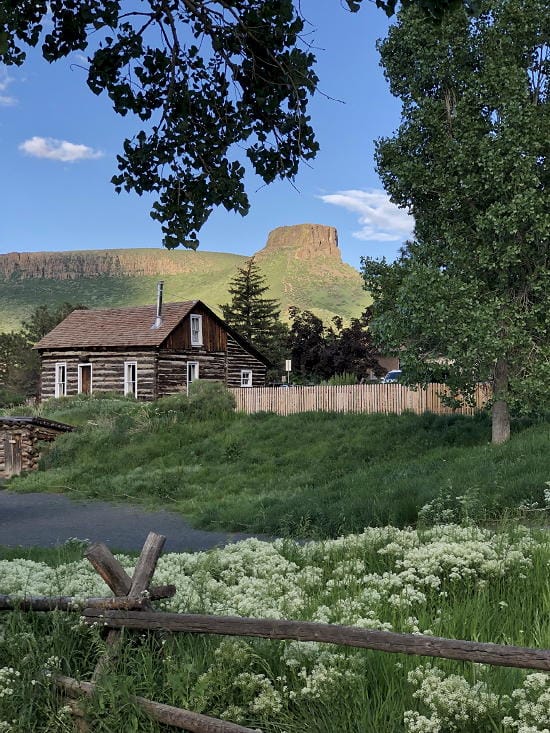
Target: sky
x=59 y=144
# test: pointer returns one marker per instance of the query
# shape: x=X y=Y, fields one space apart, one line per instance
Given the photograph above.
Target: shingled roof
x=116 y=327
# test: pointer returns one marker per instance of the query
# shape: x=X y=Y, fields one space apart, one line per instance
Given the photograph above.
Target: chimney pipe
x=158 y=319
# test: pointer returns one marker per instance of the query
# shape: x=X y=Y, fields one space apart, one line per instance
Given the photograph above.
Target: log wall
x=172 y=369
x=238 y=358
x=159 y=372
x=107 y=371
x=368 y=398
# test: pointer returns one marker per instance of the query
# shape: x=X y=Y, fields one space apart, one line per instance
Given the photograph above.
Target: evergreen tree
x=255 y=316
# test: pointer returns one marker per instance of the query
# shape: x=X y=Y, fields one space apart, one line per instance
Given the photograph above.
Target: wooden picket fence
x=367 y=398
x=131 y=608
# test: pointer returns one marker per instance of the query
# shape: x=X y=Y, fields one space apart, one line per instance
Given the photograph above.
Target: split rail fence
x=367 y=398
x=131 y=608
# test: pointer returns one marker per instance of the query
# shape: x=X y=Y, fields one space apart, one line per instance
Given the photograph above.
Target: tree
x=205 y=78
x=307 y=342
x=352 y=349
x=321 y=352
x=470 y=162
x=16 y=377
x=19 y=364
x=253 y=315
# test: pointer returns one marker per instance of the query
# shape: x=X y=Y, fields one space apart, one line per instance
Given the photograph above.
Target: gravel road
x=47 y=520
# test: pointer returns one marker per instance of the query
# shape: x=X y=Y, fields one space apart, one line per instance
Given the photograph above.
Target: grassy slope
x=206 y=275
x=312 y=474
x=325 y=285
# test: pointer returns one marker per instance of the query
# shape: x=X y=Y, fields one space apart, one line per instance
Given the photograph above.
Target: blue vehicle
x=392 y=376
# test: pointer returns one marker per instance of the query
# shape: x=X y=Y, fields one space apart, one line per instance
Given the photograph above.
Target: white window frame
x=246 y=377
x=87 y=364
x=128 y=390
x=187 y=365
x=60 y=385
x=197 y=319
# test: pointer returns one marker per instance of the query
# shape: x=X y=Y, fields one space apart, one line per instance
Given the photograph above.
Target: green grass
x=500 y=594
x=313 y=474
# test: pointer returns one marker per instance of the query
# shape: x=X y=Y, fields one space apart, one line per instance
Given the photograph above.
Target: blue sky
x=59 y=143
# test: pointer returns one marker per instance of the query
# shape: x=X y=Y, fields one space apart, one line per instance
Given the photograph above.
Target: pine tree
x=253 y=315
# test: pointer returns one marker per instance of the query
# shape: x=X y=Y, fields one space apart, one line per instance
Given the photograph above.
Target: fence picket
x=359 y=398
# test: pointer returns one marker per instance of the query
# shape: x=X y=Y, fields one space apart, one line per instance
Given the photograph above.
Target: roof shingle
x=110 y=327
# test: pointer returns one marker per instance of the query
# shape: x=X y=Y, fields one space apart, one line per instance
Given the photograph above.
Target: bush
x=210 y=399
x=338 y=380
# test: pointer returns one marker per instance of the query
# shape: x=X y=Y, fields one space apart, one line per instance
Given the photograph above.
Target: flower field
x=457 y=582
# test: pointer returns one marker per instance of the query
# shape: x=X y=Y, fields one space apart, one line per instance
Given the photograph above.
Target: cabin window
x=196 y=330
x=85 y=379
x=130 y=378
x=60 y=380
x=246 y=377
x=192 y=371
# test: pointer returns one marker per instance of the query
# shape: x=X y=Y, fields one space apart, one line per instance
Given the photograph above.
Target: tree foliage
x=255 y=316
x=470 y=162
x=206 y=80
x=19 y=364
x=321 y=352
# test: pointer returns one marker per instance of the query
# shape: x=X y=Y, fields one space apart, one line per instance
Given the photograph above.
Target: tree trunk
x=500 y=412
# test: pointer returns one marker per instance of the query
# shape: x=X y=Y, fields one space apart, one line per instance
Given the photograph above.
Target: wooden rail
x=499 y=655
x=363 y=398
x=167 y=714
x=131 y=609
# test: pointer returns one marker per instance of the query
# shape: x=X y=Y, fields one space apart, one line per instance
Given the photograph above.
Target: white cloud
x=5 y=80
x=380 y=220
x=66 y=152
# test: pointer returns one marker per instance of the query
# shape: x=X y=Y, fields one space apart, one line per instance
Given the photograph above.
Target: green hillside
x=303 y=268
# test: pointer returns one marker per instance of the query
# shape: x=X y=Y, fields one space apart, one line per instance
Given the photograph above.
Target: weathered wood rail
x=500 y=655
x=362 y=398
x=131 y=609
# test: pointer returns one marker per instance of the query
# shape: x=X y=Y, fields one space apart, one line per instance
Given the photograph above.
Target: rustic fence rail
x=131 y=609
x=498 y=655
x=365 y=398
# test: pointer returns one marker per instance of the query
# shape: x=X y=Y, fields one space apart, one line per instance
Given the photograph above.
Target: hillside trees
x=255 y=316
x=204 y=78
x=470 y=162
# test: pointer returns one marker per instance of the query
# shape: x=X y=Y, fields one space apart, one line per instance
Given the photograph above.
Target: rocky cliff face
x=309 y=241
x=302 y=241
x=77 y=265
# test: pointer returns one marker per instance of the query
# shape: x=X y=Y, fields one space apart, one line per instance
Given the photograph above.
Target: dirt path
x=46 y=520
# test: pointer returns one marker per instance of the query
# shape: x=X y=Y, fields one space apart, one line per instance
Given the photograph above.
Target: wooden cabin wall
x=238 y=358
x=172 y=369
x=213 y=334
x=107 y=371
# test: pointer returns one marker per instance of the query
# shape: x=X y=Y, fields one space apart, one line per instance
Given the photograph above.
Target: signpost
x=288 y=369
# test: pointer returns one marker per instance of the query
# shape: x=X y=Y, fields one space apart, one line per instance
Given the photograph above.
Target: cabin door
x=12 y=454
x=85 y=378
x=192 y=372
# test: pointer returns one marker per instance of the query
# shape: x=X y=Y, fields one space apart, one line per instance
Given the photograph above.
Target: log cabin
x=146 y=352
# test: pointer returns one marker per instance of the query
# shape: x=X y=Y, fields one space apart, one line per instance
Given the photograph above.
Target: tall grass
x=313 y=474
x=450 y=581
